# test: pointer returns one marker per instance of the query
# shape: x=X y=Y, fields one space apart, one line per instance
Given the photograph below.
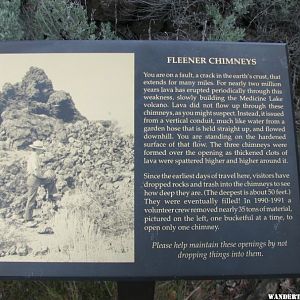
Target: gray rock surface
x=32 y=109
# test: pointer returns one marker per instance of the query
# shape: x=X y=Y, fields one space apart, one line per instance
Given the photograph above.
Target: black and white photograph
x=66 y=157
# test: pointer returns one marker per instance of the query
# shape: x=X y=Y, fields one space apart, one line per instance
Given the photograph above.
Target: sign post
x=136 y=290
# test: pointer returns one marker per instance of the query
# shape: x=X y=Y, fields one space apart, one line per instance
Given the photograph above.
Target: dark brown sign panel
x=147 y=160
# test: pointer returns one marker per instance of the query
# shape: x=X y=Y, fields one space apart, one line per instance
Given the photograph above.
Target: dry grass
x=78 y=236
x=9 y=236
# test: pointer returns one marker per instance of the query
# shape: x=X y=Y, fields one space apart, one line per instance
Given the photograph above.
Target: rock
x=31 y=224
x=15 y=169
x=39 y=108
x=43 y=251
x=8 y=91
x=71 y=140
x=87 y=149
x=68 y=163
x=22 y=129
x=12 y=250
x=62 y=136
x=22 y=250
x=73 y=151
x=62 y=107
x=46 y=230
x=3 y=212
x=48 y=157
x=61 y=184
x=36 y=85
x=117 y=177
x=14 y=217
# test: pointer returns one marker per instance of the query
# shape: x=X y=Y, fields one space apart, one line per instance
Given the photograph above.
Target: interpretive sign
x=147 y=160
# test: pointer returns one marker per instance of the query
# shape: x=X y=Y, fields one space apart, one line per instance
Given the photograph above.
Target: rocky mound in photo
x=84 y=155
x=32 y=110
x=92 y=160
x=97 y=159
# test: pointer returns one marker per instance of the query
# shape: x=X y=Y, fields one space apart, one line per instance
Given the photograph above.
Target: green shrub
x=59 y=19
x=225 y=19
x=107 y=33
x=10 y=27
x=63 y=19
x=190 y=19
x=223 y=28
